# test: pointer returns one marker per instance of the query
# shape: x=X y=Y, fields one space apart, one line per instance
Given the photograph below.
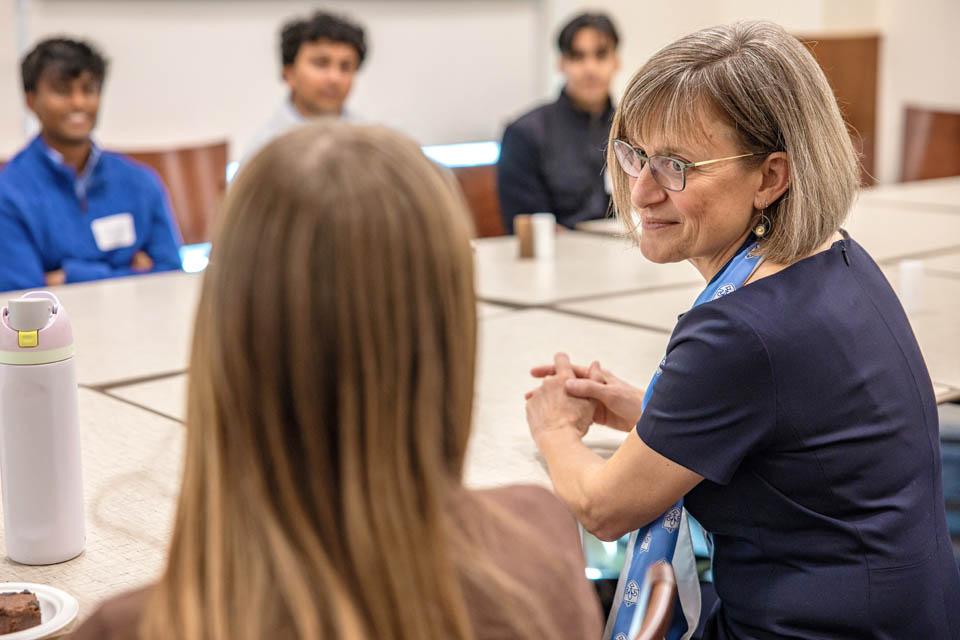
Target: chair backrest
x=196 y=178
x=931 y=144
x=663 y=592
x=851 y=63
x=479 y=185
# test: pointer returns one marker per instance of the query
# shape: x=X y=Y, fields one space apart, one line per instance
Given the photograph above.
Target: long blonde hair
x=765 y=84
x=330 y=401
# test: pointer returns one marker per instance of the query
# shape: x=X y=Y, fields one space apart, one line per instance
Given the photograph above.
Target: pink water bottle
x=40 y=469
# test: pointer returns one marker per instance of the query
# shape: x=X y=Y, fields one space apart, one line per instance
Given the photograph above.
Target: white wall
x=920 y=47
x=646 y=27
x=11 y=112
x=919 y=61
x=442 y=70
x=187 y=71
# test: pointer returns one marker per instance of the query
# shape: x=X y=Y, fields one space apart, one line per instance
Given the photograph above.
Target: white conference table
x=932 y=304
x=133 y=456
x=947 y=264
x=940 y=193
x=139 y=327
x=501 y=450
x=585 y=265
x=888 y=230
x=130 y=327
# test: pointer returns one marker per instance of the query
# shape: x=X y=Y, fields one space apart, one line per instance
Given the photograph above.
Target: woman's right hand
x=618 y=404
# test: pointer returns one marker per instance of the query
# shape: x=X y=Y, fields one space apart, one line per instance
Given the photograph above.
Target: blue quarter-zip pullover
x=47 y=216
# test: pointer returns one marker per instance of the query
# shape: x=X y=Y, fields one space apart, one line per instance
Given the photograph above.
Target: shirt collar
x=81 y=182
x=292 y=114
x=568 y=103
x=291 y=111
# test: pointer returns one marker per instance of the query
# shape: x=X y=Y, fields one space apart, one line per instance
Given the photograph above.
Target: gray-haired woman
x=793 y=412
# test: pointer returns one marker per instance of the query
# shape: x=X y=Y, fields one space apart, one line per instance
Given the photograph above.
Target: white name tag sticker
x=114 y=232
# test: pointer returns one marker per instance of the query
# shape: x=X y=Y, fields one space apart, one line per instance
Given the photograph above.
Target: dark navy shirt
x=551 y=160
x=804 y=402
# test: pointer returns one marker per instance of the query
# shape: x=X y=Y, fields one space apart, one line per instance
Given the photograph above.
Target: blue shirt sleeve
x=21 y=264
x=79 y=270
x=715 y=402
x=162 y=244
x=520 y=184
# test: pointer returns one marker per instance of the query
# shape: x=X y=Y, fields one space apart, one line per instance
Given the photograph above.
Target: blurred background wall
x=185 y=71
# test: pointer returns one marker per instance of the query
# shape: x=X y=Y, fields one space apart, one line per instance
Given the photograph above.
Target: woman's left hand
x=550 y=407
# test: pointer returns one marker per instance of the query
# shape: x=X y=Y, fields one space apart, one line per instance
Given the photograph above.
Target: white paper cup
x=544 y=235
x=911 y=284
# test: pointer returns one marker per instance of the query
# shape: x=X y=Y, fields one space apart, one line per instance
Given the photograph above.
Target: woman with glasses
x=330 y=401
x=792 y=414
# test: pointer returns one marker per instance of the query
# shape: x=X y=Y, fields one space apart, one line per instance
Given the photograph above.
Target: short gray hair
x=765 y=84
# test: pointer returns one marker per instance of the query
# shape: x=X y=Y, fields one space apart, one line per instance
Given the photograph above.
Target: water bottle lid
x=35 y=329
x=29 y=314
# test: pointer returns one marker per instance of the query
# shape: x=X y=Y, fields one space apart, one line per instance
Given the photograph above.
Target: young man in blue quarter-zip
x=69 y=211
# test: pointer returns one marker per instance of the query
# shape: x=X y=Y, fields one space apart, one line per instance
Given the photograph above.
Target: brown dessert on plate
x=18 y=611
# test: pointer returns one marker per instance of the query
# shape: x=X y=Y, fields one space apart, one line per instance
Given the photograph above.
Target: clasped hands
x=574 y=397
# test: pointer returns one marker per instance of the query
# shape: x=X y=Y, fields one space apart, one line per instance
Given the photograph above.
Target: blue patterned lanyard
x=657 y=541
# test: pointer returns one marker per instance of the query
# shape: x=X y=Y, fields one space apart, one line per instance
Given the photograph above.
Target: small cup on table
x=536 y=235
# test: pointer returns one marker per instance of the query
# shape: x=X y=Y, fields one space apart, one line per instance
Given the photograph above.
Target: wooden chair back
x=196 y=179
x=851 y=63
x=479 y=185
x=659 y=613
x=931 y=144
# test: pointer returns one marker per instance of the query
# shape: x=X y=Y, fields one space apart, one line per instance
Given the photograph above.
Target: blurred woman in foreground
x=330 y=400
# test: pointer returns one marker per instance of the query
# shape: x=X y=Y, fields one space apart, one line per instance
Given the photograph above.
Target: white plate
x=57 y=610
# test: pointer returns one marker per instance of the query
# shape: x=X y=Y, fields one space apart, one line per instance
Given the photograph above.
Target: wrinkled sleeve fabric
x=21 y=263
x=715 y=401
x=80 y=270
x=163 y=243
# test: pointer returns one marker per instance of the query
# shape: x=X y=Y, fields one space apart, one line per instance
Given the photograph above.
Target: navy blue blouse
x=804 y=402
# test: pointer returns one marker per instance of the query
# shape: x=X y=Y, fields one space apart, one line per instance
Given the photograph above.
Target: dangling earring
x=763 y=226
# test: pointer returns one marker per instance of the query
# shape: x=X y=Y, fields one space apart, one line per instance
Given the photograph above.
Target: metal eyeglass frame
x=645 y=159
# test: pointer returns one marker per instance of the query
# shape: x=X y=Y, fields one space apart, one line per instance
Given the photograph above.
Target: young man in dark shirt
x=552 y=158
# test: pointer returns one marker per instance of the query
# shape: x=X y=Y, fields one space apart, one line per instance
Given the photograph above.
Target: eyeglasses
x=670 y=173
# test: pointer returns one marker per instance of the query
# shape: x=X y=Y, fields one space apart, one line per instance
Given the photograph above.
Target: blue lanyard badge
x=667 y=539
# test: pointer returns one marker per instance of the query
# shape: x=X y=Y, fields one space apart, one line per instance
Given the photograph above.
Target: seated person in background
x=328 y=421
x=69 y=211
x=552 y=158
x=320 y=56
